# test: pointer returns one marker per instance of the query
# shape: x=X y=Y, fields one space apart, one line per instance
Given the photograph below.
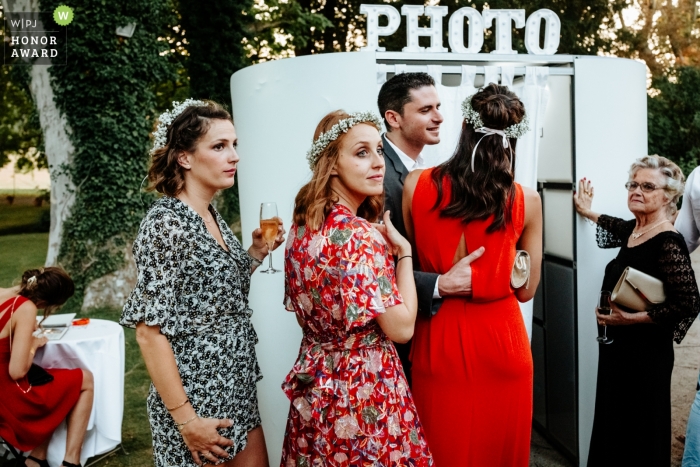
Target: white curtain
x=451 y=98
x=534 y=93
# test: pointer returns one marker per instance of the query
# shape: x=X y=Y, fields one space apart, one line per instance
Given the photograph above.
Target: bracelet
x=255 y=261
x=170 y=409
x=407 y=256
x=180 y=425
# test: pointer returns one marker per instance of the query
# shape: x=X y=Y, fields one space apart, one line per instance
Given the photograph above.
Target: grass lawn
x=21 y=217
x=20 y=252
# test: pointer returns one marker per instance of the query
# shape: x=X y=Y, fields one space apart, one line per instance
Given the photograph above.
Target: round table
x=98 y=347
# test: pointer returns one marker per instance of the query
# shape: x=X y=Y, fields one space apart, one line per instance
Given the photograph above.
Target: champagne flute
x=604 y=309
x=269 y=226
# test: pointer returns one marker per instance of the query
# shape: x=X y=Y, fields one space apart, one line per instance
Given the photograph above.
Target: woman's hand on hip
x=398 y=245
x=619 y=317
x=204 y=441
x=260 y=246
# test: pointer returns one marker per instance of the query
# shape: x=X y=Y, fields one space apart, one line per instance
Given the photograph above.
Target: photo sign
x=477 y=23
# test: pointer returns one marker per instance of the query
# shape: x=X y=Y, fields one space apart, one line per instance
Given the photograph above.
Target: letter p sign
x=373 y=13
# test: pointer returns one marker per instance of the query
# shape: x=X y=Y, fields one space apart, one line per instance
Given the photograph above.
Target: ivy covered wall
x=106 y=92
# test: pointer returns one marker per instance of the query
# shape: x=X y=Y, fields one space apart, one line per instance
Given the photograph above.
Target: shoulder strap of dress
x=8 y=307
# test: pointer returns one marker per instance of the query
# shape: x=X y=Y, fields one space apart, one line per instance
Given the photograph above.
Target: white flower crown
x=160 y=136
x=473 y=117
x=342 y=126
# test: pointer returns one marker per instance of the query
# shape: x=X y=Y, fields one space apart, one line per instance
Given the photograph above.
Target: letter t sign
x=504 y=40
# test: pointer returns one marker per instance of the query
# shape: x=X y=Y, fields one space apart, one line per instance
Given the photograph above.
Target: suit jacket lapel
x=395 y=160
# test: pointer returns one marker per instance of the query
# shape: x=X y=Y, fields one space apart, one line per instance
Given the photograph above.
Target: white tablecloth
x=98 y=347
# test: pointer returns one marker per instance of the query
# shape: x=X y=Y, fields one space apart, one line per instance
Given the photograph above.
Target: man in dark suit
x=410 y=106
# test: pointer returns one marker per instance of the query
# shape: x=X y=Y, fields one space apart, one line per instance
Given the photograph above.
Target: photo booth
x=588 y=118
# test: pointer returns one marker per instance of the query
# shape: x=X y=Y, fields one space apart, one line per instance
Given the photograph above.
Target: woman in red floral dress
x=350 y=403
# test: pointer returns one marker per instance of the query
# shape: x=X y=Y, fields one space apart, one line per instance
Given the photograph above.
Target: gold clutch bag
x=638 y=291
x=521 y=270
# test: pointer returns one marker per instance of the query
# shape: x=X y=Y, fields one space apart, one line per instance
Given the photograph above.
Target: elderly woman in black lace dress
x=632 y=423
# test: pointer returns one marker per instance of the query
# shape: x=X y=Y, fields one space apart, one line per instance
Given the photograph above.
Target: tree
x=105 y=94
x=674 y=117
x=58 y=146
x=220 y=35
x=665 y=33
x=20 y=133
x=276 y=29
x=214 y=32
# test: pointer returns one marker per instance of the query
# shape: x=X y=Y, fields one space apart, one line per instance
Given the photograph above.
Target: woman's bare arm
x=398 y=321
x=200 y=435
x=24 y=344
x=531 y=241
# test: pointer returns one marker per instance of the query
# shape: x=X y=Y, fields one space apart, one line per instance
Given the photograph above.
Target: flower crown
x=342 y=126
x=160 y=136
x=473 y=117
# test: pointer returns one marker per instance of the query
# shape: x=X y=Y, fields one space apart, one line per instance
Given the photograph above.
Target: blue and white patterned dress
x=197 y=293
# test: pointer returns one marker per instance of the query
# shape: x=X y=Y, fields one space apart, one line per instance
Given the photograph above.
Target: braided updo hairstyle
x=165 y=175
x=49 y=287
x=490 y=189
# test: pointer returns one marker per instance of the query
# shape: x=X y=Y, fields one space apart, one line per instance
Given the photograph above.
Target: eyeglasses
x=646 y=186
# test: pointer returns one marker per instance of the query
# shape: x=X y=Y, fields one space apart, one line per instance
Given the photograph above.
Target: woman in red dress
x=472 y=366
x=30 y=414
x=350 y=402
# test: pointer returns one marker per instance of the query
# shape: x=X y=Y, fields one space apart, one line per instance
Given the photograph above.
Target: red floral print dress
x=350 y=402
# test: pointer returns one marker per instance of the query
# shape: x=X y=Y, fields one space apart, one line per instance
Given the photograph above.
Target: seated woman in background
x=632 y=420
x=30 y=414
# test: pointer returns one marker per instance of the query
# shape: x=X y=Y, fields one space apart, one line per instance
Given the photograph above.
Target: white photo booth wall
x=588 y=119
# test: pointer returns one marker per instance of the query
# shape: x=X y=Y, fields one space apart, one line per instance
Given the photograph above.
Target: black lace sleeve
x=682 y=298
x=612 y=232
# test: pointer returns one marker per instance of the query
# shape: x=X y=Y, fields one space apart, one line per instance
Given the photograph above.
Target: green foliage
x=214 y=33
x=219 y=35
x=106 y=92
x=674 y=117
x=20 y=133
x=273 y=19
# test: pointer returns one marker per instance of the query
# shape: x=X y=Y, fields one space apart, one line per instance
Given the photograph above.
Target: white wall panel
x=555 y=159
x=276 y=107
x=558 y=227
x=610 y=132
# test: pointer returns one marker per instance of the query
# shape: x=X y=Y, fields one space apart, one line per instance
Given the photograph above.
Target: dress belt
x=310 y=386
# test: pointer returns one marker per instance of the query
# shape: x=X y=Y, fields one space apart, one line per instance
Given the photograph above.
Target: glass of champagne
x=269 y=226
x=604 y=309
